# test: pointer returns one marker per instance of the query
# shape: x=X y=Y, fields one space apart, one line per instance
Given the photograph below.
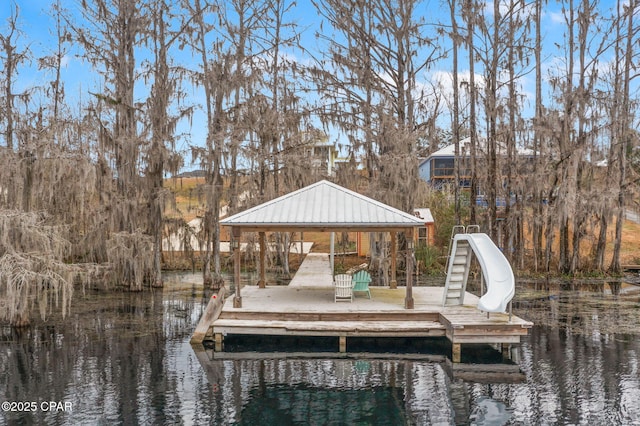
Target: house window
x=443 y=167
x=423 y=235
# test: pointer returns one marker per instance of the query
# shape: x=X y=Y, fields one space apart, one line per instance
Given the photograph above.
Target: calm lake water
x=126 y=359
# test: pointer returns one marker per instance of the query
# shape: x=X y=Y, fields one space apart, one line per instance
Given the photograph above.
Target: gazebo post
x=263 y=282
x=408 y=301
x=394 y=255
x=332 y=239
x=236 y=233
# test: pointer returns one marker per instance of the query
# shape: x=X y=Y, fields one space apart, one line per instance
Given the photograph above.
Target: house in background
x=323 y=155
x=439 y=169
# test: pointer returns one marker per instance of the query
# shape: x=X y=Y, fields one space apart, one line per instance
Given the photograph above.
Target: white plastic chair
x=343 y=284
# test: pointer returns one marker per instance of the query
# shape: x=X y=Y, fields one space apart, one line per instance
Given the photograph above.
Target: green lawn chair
x=361 y=282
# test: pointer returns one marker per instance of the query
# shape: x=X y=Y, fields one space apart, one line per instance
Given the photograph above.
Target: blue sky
x=38 y=27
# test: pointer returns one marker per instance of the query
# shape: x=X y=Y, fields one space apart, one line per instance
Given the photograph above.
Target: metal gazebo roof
x=322 y=206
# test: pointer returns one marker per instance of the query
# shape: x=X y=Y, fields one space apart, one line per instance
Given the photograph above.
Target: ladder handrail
x=453 y=234
x=472 y=229
x=469 y=229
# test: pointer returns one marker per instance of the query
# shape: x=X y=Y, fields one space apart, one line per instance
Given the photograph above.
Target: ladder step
x=458 y=269
x=456 y=278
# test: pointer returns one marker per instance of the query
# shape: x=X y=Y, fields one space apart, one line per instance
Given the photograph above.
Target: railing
x=459 y=229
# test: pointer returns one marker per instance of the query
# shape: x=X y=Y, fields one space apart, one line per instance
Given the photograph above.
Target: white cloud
x=556 y=17
x=444 y=81
x=488 y=8
x=523 y=10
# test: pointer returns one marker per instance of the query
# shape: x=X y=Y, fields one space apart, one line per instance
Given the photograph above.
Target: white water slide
x=496 y=271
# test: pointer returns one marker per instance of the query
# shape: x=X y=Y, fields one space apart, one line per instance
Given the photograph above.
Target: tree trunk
x=470 y=19
x=455 y=125
x=624 y=139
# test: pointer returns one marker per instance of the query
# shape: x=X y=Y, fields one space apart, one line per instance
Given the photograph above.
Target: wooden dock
x=306 y=307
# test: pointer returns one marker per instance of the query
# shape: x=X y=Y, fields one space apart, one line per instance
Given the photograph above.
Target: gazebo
x=325 y=207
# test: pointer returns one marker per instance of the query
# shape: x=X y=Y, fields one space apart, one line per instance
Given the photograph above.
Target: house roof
x=424 y=214
x=322 y=206
x=464 y=146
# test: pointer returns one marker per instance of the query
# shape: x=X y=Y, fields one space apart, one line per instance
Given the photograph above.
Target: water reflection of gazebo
x=262 y=388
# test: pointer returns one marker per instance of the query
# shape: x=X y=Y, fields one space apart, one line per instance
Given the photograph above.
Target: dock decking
x=314 y=271
x=306 y=307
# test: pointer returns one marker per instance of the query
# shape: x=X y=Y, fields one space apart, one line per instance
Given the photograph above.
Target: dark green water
x=126 y=359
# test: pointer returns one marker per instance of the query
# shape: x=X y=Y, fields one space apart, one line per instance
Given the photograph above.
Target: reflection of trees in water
x=574 y=378
x=24 y=376
x=592 y=308
x=571 y=379
x=109 y=358
x=581 y=356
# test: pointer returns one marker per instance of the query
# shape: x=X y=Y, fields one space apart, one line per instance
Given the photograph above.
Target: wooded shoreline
x=99 y=118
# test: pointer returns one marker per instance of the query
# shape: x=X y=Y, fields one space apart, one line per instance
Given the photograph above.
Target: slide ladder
x=496 y=272
x=460 y=259
x=456 y=283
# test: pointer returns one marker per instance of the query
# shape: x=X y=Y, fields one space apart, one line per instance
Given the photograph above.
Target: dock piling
x=343 y=344
x=219 y=340
x=456 y=351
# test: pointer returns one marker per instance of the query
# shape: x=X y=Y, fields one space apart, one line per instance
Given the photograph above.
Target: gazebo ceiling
x=322 y=206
